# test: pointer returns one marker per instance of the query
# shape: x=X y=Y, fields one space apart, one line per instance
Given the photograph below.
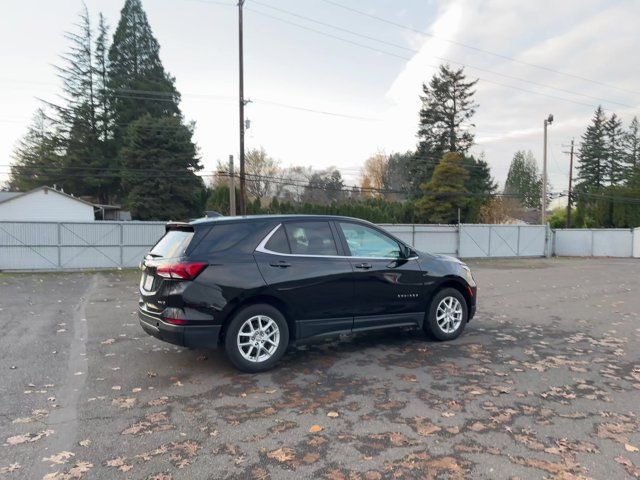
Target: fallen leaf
x=28 y=437
x=59 y=458
x=333 y=414
x=630 y=448
x=282 y=455
x=315 y=428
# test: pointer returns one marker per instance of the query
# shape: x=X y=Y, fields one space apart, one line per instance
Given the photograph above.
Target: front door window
x=366 y=242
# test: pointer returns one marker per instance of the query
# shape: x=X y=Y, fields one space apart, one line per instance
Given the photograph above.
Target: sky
x=330 y=86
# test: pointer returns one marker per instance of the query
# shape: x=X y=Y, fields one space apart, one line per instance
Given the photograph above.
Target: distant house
x=44 y=204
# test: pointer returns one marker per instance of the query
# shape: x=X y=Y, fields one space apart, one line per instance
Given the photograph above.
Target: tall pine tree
x=445 y=120
x=592 y=154
x=146 y=114
x=615 y=161
x=138 y=82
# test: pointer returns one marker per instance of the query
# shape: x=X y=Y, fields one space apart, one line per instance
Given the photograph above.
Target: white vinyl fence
x=69 y=245
x=475 y=241
x=596 y=242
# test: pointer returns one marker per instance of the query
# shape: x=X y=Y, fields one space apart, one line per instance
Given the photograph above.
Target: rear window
x=173 y=244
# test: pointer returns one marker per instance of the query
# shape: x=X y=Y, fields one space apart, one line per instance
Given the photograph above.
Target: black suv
x=259 y=283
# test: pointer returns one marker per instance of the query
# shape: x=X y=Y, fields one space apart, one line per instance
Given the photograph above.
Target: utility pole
x=570 y=178
x=547 y=121
x=243 y=197
x=232 y=188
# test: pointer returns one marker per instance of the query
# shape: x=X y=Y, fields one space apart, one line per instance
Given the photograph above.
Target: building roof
x=7 y=195
x=14 y=195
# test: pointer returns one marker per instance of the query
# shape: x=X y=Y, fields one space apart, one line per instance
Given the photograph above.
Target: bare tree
x=263 y=174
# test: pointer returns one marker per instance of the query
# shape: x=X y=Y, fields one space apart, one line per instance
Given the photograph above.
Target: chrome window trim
x=262 y=249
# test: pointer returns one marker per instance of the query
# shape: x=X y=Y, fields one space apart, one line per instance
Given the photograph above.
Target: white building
x=44 y=204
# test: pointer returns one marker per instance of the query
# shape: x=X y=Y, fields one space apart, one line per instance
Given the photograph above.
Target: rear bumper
x=192 y=336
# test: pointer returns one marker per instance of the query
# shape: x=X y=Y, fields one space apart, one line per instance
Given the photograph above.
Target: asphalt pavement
x=544 y=383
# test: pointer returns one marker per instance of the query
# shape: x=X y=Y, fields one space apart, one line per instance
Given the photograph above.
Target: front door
x=305 y=267
x=388 y=288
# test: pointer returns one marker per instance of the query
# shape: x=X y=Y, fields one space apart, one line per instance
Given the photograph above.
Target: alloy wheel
x=258 y=338
x=449 y=314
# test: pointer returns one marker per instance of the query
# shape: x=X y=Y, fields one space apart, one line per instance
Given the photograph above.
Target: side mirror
x=405 y=251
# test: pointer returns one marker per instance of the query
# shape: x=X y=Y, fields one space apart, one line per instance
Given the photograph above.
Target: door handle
x=364 y=266
x=280 y=264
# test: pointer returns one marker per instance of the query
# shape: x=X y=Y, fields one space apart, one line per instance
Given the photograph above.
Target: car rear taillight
x=181 y=271
x=175 y=321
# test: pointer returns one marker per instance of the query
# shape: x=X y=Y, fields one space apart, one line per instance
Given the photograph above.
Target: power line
x=345 y=189
x=403 y=47
x=384 y=52
x=478 y=49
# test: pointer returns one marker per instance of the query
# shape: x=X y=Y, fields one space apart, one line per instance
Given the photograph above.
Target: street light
x=547 y=121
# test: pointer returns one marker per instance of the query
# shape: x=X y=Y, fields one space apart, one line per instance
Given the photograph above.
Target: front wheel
x=447 y=315
x=256 y=338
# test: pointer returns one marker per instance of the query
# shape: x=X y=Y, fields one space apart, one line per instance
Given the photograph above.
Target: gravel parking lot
x=544 y=383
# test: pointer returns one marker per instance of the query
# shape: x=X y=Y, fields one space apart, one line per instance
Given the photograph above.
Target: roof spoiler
x=178 y=226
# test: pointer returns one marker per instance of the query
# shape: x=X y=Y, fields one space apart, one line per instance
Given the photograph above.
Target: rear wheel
x=447 y=315
x=256 y=338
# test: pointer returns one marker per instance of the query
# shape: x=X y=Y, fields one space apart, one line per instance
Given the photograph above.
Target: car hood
x=446 y=258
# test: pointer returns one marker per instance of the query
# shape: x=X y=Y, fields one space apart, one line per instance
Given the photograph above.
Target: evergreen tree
x=615 y=164
x=480 y=184
x=101 y=73
x=447 y=108
x=81 y=116
x=524 y=181
x=445 y=193
x=137 y=80
x=397 y=175
x=324 y=188
x=159 y=170
x=592 y=154
x=632 y=148
x=37 y=159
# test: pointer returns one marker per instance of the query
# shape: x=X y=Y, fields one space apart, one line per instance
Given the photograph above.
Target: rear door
x=304 y=266
x=172 y=245
x=388 y=288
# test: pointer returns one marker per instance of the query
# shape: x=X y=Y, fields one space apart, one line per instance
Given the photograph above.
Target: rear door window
x=173 y=244
x=311 y=238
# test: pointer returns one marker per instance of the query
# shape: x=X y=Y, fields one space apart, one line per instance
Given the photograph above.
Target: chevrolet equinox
x=258 y=283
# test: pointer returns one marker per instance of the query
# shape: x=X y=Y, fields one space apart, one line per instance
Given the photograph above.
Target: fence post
x=59 y=244
x=459 y=240
x=489 y=249
x=121 y=245
x=413 y=234
x=592 y=235
x=518 y=244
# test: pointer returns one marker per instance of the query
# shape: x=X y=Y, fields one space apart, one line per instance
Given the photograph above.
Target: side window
x=278 y=241
x=223 y=237
x=311 y=238
x=367 y=242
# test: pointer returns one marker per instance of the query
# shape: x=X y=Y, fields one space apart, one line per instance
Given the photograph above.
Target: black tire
x=431 y=325
x=232 y=348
